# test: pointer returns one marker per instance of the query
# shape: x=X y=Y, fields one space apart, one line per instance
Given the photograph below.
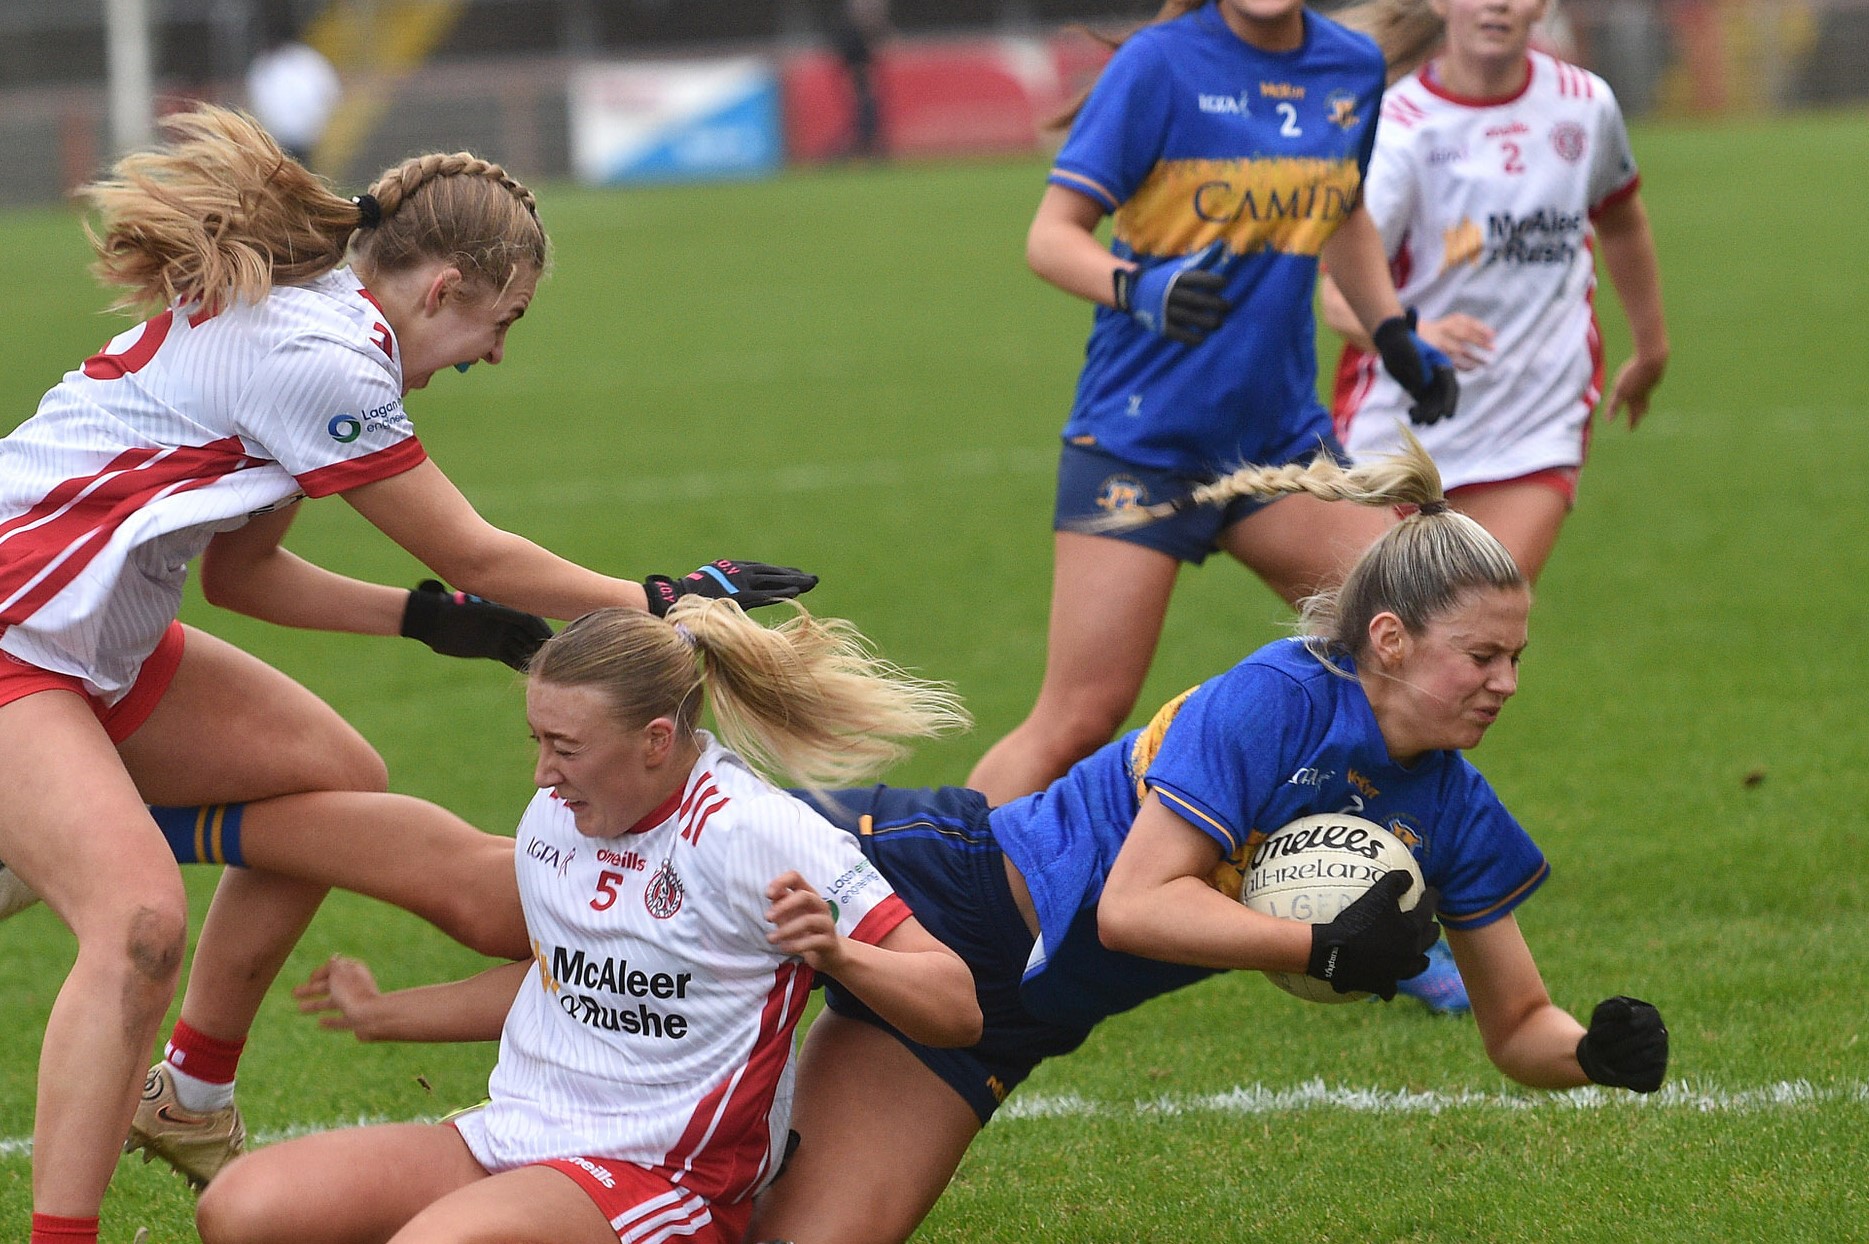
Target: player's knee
x=363 y=769
x=142 y=952
x=234 y=1208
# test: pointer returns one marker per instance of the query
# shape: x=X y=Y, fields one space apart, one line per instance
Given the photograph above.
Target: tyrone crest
x=1569 y=140
x=663 y=894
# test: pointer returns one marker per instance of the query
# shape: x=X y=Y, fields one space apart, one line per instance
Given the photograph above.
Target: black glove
x=1424 y=371
x=752 y=584
x=1179 y=298
x=1626 y=1047
x=1373 y=943
x=458 y=625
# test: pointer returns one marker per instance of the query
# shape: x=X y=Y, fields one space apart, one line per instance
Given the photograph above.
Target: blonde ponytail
x=806 y=700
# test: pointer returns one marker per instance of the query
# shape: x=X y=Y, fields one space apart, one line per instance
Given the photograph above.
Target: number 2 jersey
x=180 y=428
x=656 y=1027
x=1193 y=136
x=1485 y=208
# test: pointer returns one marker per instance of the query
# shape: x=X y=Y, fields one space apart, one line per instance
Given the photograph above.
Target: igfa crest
x=663 y=894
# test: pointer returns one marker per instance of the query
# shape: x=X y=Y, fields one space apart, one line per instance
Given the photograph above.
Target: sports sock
x=53 y=1229
x=206 y=834
x=202 y=1068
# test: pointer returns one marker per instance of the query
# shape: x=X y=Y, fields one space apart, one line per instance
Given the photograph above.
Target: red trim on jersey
x=1356 y=375
x=383 y=464
x=1616 y=196
x=1432 y=87
x=726 y=1148
x=50 y=544
x=881 y=920
x=387 y=343
x=704 y=799
x=661 y=812
x=1403 y=111
x=105 y=365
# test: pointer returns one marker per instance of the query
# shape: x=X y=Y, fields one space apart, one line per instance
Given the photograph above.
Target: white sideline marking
x=1697 y=1097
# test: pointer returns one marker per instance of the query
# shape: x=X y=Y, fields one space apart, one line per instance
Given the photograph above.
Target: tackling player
x=272 y=372
x=1498 y=172
x=679 y=905
x=1227 y=141
x=1119 y=882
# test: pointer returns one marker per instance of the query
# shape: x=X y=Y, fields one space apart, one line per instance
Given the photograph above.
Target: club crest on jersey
x=663 y=895
x=1343 y=112
x=1569 y=140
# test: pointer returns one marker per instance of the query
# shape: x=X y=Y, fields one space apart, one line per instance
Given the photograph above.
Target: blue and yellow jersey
x=1193 y=136
x=1277 y=737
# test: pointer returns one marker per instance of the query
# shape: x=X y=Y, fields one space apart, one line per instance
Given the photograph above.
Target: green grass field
x=852 y=371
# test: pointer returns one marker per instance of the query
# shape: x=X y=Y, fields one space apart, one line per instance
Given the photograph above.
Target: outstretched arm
x=1629 y=257
x=913 y=981
x=1542 y=1046
x=344 y=993
x=248 y=571
x=421 y=510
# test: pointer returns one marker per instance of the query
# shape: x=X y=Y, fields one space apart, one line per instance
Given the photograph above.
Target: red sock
x=203 y=1057
x=51 y=1229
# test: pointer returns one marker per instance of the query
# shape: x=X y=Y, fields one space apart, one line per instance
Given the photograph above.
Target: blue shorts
x=936 y=849
x=1092 y=483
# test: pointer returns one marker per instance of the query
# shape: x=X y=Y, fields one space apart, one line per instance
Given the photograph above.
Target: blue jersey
x=1277 y=737
x=1192 y=135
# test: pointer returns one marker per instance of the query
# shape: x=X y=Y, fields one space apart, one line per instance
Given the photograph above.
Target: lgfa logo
x=344 y=428
x=1227 y=105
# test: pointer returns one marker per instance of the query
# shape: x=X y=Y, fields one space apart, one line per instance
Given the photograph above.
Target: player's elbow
x=952 y=1024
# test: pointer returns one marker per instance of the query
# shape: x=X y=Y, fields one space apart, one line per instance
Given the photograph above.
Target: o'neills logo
x=1353 y=839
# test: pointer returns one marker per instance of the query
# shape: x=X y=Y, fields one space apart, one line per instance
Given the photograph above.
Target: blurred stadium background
x=631 y=90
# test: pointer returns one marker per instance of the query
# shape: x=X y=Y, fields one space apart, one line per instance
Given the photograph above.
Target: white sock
x=197 y=1095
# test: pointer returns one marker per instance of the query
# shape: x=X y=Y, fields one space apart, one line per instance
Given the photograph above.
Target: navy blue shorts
x=935 y=847
x=1092 y=483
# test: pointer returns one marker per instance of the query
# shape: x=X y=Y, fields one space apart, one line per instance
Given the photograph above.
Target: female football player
x=1119 y=882
x=271 y=372
x=1227 y=140
x=1499 y=171
x=679 y=905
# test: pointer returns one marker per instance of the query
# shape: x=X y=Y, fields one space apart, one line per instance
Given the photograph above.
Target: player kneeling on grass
x=1118 y=882
x=678 y=906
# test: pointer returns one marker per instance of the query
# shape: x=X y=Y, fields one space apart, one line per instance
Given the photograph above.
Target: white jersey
x=1485 y=208
x=657 y=1026
x=180 y=428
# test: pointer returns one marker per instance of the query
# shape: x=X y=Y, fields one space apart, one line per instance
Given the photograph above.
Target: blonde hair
x=220 y=214
x=805 y=699
x=1416 y=570
x=1409 y=32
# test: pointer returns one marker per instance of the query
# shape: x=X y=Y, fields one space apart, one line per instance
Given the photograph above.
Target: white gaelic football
x=1312 y=869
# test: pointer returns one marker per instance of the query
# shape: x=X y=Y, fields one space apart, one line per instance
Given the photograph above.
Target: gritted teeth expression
x=1461 y=669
